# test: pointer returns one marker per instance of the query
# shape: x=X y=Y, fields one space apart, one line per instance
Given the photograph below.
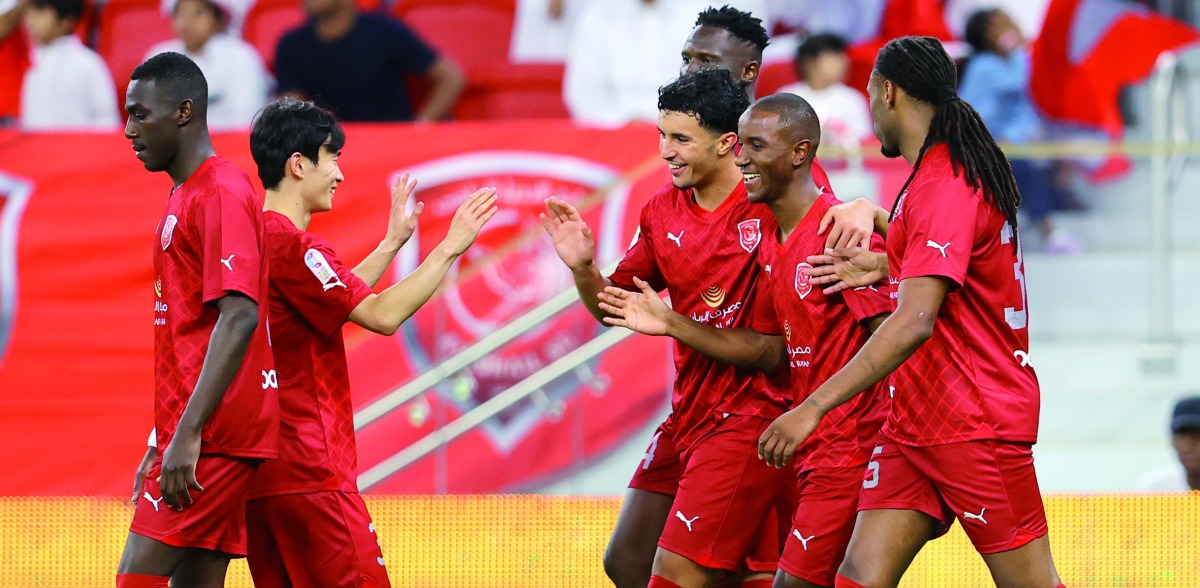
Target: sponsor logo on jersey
x=803 y=281
x=749 y=234
x=718 y=314
x=319 y=266
x=158 y=287
x=168 y=230
x=787 y=330
x=713 y=296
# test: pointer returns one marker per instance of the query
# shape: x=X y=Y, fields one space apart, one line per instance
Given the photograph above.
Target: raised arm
x=384 y=313
x=400 y=227
x=576 y=247
x=646 y=313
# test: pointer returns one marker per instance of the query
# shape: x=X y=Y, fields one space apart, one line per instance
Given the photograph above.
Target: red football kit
x=958 y=441
x=308 y=525
x=822 y=334
x=707 y=261
x=210 y=245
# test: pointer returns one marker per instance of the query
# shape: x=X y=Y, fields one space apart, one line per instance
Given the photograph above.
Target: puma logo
x=146 y=495
x=678 y=240
x=942 y=248
x=1022 y=356
x=686 y=521
x=978 y=517
x=228 y=263
x=803 y=540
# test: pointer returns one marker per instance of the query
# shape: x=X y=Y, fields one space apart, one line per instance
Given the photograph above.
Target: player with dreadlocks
x=958 y=441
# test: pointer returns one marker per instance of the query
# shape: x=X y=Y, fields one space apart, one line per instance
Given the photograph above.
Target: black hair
x=921 y=67
x=796 y=115
x=975 y=33
x=288 y=126
x=711 y=95
x=177 y=75
x=814 y=45
x=63 y=8
x=742 y=25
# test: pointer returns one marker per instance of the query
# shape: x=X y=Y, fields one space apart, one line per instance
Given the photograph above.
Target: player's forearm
x=226 y=350
x=371 y=268
x=590 y=283
x=402 y=300
x=745 y=348
x=448 y=82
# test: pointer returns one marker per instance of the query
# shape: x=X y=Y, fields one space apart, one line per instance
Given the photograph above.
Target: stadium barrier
x=523 y=541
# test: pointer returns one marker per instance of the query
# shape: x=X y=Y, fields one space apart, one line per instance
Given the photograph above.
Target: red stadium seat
x=532 y=91
x=128 y=28
x=267 y=21
x=774 y=76
x=476 y=33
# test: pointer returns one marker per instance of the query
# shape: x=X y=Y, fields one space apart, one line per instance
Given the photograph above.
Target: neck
x=710 y=193
x=914 y=128
x=190 y=160
x=335 y=24
x=286 y=200
x=795 y=202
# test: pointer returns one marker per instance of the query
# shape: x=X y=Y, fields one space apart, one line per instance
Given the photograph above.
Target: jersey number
x=1016 y=318
x=872 y=480
x=270 y=379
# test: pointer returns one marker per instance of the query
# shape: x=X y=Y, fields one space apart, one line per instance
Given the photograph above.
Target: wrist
x=390 y=245
x=446 y=251
x=814 y=404
x=587 y=268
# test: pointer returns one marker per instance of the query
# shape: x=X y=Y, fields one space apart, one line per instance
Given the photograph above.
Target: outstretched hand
x=643 y=311
x=469 y=219
x=401 y=224
x=572 y=238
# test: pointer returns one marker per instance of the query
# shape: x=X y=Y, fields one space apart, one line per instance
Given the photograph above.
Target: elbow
x=922 y=327
x=243 y=320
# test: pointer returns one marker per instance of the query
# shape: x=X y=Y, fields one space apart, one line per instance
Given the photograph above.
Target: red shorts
x=990 y=486
x=319 y=539
x=822 y=524
x=660 y=469
x=726 y=514
x=215 y=520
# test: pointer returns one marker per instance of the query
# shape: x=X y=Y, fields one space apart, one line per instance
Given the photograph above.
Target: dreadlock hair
x=711 y=95
x=740 y=24
x=921 y=67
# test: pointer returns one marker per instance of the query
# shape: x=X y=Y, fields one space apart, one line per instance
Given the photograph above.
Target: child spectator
x=67 y=86
x=821 y=64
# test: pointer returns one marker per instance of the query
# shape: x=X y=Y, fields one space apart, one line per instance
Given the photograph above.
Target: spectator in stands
x=356 y=63
x=238 y=82
x=995 y=80
x=14 y=58
x=1185 y=439
x=67 y=85
x=821 y=64
x=238 y=9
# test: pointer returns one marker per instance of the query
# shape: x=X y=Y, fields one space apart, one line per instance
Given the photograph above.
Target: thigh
x=991 y=487
x=891 y=481
x=726 y=498
x=822 y=524
x=884 y=544
x=639 y=525
x=660 y=468
x=263 y=554
x=1028 y=565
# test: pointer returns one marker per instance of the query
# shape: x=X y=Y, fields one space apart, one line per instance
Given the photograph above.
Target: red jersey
x=707 y=261
x=822 y=333
x=972 y=379
x=210 y=244
x=312 y=295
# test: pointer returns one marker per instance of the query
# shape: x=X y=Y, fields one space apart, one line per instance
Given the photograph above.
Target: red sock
x=760 y=583
x=1061 y=586
x=142 y=581
x=660 y=582
x=843 y=582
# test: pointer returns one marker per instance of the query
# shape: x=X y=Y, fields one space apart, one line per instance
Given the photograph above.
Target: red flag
x=1088 y=49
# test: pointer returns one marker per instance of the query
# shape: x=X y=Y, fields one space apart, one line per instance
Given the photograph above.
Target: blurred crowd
x=64 y=63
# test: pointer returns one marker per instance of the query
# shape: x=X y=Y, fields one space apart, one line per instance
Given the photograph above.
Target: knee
x=626 y=569
x=850 y=575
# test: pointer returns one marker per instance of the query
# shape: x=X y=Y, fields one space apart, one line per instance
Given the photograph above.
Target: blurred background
x=502 y=407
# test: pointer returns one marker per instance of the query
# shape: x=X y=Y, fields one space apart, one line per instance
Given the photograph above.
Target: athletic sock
x=142 y=581
x=660 y=582
x=843 y=582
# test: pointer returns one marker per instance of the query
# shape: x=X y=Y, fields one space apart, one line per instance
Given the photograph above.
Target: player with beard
x=700 y=490
x=815 y=334
x=958 y=441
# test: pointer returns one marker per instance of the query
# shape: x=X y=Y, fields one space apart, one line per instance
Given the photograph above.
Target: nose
x=130 y=132
x=740 y=159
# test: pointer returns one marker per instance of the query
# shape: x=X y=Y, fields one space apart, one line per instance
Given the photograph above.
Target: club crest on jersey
x=803 y=281
x=167 y=231
x=320 y=268
x=749 y=234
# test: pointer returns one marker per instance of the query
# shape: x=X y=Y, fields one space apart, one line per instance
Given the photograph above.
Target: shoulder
x=1167 y=478
x=231 y=178
x=665 y=197
x=379 y=23
x=937 y=177
x=233 y=47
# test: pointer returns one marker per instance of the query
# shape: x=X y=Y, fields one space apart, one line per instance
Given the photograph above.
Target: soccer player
x=958 y=441
x=820 y=333
x=308 y=526
x=727 y=38
x=216 y=407
x=697 y=238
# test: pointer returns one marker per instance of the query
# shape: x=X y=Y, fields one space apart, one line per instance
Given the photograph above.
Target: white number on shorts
x=650 y=451
x=1017 y=319
x=270 y=379
x=873 y=467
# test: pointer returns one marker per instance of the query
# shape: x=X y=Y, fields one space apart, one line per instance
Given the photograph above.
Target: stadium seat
x=532 y=92
x=267 y=21
x=774 y=76
x=476 y=33
x=128 y=28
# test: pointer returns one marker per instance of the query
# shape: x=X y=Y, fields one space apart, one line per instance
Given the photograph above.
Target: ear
x=295 y=166
x=750 y=72
x=183 y=115
x=890 y=93
x=801 y=152
x=726 y=143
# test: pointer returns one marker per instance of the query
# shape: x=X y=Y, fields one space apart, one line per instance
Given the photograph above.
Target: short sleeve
x=412 y=52
x=940 y=217
x=870 y=301
x=311 y=278
x=764 y=319
x=230 y=229
x=639 y=260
